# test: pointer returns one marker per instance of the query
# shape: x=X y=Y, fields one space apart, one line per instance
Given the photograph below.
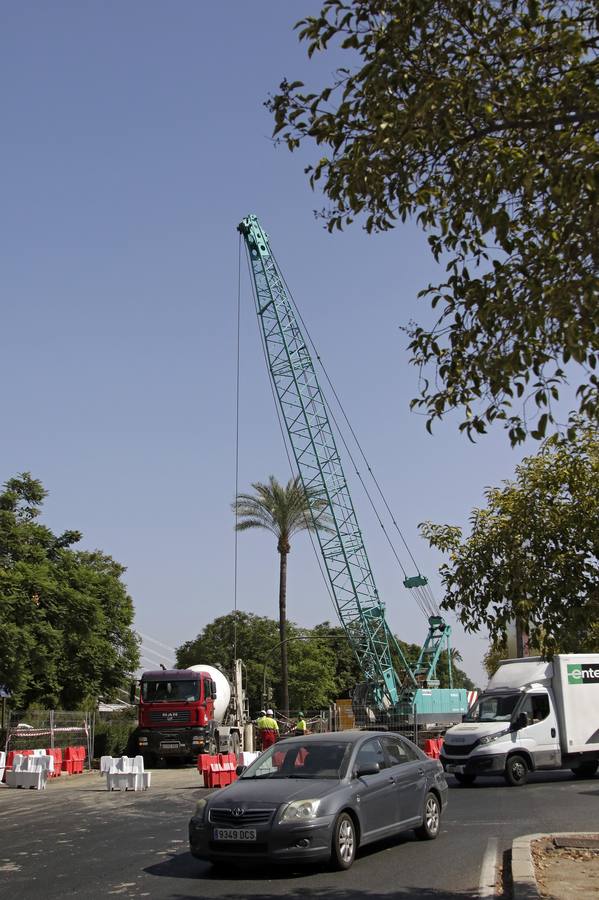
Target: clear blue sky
x=134 y=140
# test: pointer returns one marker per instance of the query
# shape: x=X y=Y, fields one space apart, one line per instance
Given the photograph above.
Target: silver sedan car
x=320 y=797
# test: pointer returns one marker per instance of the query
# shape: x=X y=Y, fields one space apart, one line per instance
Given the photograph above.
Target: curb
x=524 y=881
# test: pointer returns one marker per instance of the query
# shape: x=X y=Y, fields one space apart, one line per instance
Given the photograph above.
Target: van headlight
x=489 y=738
x=300 y=811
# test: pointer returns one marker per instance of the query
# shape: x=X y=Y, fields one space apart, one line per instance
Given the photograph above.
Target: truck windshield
x=492 y=708
x=167 y=691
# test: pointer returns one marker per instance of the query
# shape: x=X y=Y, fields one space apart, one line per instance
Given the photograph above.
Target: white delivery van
x=535 y=714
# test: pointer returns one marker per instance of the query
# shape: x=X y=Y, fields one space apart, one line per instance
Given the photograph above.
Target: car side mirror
x=370 y=769
x=240 y=770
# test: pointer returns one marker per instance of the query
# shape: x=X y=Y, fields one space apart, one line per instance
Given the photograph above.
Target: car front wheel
x=431 y=819
x=344 y=842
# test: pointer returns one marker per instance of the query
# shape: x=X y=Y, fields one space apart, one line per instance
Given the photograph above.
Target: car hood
x=266 y=792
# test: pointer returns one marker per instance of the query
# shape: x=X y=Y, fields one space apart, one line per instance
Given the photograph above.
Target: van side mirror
x=522 y=721
x=240 y=770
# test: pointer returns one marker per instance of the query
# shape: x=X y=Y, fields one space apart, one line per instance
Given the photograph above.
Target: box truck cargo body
x=534 y=715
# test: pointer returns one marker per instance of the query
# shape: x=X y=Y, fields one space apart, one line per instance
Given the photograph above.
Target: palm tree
x=282 y=510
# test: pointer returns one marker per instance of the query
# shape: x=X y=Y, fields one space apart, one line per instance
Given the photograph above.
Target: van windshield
x=167 y=691
x=489 y=708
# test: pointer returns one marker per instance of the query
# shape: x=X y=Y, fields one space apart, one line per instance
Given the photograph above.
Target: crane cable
x=423 y=594
x=237 y=392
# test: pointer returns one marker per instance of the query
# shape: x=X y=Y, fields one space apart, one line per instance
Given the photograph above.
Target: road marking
x=488 y=872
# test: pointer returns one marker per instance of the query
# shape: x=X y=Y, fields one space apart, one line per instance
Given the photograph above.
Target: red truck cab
x=175 y=714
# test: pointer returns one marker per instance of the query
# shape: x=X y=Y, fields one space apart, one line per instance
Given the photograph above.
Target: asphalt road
x=77 y=839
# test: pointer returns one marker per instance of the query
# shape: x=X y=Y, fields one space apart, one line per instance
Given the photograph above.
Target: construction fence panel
x=50 y=729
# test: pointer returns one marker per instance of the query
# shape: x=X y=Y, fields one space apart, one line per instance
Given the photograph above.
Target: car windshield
x=490 y=708
x=168 y=691
x=301 y=760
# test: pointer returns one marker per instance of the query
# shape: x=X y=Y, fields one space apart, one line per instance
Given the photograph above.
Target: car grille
x=180 y=715
x=248 y=817
x=238 y=846
x=458 y=749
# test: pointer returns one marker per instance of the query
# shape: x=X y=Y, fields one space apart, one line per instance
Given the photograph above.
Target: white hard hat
x=269 y=712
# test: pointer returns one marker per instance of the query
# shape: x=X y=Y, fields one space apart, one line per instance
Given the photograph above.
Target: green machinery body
x=401 y=687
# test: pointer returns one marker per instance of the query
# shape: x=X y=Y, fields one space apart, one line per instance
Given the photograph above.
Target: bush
x=112 y=734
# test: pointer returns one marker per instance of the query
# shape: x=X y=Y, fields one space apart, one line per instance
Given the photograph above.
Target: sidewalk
x=560 y=866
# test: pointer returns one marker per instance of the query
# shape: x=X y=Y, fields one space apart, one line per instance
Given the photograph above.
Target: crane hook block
x=416 y=581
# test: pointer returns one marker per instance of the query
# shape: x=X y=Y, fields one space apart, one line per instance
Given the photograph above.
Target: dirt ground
x=567 y=873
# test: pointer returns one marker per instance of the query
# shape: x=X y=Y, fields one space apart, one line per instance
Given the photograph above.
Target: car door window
x=370 y=753
x=398 y=751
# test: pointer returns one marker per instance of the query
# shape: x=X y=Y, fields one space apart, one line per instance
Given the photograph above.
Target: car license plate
x=234 y=834
x=169 y=745
x=457 y=770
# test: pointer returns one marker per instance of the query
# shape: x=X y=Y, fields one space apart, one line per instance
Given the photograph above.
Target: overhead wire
x=146 y=637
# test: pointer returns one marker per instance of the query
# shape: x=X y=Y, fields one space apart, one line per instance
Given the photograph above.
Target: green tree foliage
x=480 y=121
x=311 y=663
x=495 y=654
x=322 y=665
x=282 y=510
x=334 y=642
x=65 y=615
x=533 y=552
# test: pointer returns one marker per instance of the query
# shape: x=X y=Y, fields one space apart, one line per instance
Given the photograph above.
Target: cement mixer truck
x=185 y=712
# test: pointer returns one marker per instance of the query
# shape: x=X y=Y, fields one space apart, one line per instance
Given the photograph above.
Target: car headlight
x=200 y=808
x=300 y=811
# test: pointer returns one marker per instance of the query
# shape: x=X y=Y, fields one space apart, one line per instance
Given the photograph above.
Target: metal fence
x=344 y=715
x=31 y=729
x=347 y=715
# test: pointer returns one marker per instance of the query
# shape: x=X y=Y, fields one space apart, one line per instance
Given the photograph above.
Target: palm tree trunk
x=283 y=634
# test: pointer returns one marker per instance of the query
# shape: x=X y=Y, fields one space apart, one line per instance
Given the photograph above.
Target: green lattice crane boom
x=311 y=437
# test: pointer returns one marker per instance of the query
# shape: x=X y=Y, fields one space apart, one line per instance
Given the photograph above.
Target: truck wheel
x=464 y=779
x=516 y=771
x=431 y=819
x=586 y=770
x=343 y=851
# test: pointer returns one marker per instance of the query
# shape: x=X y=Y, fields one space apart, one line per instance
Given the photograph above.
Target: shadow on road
x=418 y=893
x=536 y=779
x=184 y=865
x=249 y=881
